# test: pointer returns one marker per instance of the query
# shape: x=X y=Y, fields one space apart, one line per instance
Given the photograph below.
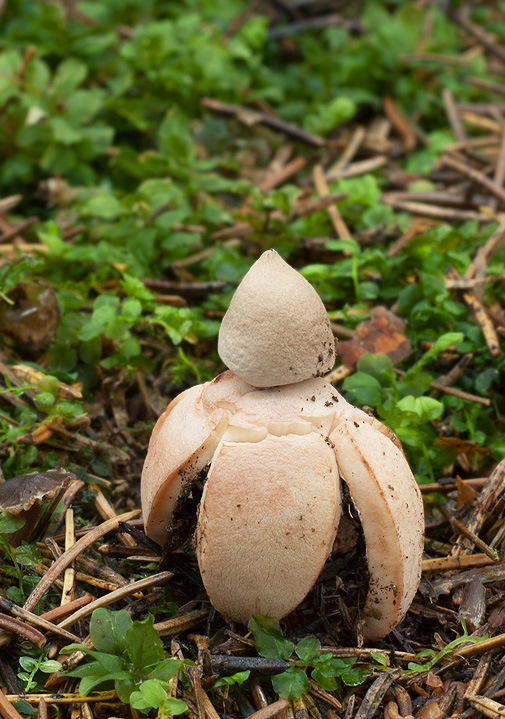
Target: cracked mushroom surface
x=275 y=456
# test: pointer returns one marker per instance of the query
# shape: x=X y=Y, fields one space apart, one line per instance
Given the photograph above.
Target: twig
x=284 y=173
x=439 y=487
x=224 y=664
x=487 y=251
x=442 y=213
x=321 y=203
x=480 y=35
x=106 y=511
x=252 y=117
x=320 y=693
x=499 y=173
x=480 y=647
x=271 y=711
x=68 y=557
x=42 y=709
x=476 y=682
x=59 y=612
x=442 y=564
x=489 y=495
x=481 y=316
x=375 y=694
x=357 y=168
x=475 y=175
x=182 y=623
x=471 y=535
x=190 y=288
x=485 y=85
x=40 y=621
x=16 y=626
x=454 y=373
x=67 y=593
x=62 y=698
x=435 y=57
x=486 y=707
x=323 y=191
x=453 y=116
x=9 y=203
x=338 y=374
x=18 y=230
x=452 y=390
x=417 y=227
x=313 y=23
x=6 y=708
x=400 y=124
x=350 y=150
x=119 y=593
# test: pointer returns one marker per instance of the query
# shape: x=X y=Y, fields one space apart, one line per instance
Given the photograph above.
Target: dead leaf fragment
x=384 y=333
x=33 y=317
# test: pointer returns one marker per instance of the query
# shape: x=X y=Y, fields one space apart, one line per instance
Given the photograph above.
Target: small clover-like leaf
x=291 y=684
x=308 y=649
x=268 y=638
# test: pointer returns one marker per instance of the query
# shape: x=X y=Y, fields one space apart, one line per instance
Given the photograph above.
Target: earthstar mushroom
x=276 y=439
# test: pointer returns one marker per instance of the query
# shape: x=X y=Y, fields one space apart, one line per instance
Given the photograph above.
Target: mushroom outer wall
x=268 y=519
x=274 y=458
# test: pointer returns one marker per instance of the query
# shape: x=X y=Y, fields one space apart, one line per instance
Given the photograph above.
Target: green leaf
x=153 y=693
x=174 y=706
x=143 y=644
x=131 y=309
x=426 y=408
x=308 y=649
x=64 y=132
x=238 y=678
x=89 y=683
x=347 y=245
x=379 y=658
x=325 y=681
x=69 y=75
x=291 y=684
x=105 y=207
x=268 y=638
x=166 y=669
x=108 y=629
x=364 y=389
x=10 y=523
x=125 y=686
x=27 y=555
x=49 y=666
x=29 y=663
x=44 y=401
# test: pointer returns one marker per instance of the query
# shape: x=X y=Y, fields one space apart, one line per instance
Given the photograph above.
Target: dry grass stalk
x=400 y=124
x=62 y=698
x=39 y=621
x=67 y=594
x=6 y=708
x=182 y=623
x=448 y=563
x=112 y=597
x=68 y=557
x=323 y=190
